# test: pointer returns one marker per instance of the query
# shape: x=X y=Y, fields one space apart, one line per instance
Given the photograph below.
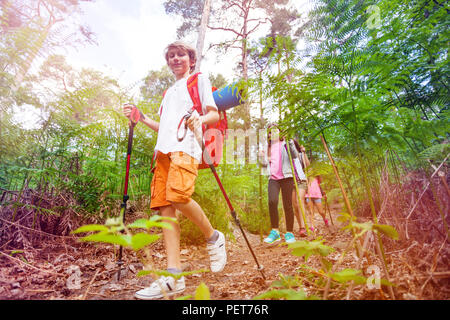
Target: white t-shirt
x=175 y=104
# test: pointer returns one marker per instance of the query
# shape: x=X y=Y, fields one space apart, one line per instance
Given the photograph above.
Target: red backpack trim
x=214 y=134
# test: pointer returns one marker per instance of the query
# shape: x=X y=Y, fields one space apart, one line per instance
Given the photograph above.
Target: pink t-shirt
x=276 y=170
x=314 y=189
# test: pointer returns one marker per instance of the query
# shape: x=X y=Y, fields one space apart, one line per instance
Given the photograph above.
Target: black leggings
x=287 y=186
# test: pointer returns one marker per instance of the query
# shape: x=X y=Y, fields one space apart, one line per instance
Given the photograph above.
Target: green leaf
x=287 y=294
x=148 y=224
x=344 y=217
x=385 y=282
x=169 y=274
x=91 y=227
x=308 y=248
x=154 y=221
x=202 y=292
x=349 y=275
x=165 y=225
x=327 y=264
x=114 y=221
x=156 y=217
x=140 y=240
x=386 y=230
x=364 y=227
x=139 y=223
x=287 y=282
x=121 y=240
x=143 y=273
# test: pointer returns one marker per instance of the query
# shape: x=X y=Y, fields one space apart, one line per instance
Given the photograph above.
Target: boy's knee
x=180 y=203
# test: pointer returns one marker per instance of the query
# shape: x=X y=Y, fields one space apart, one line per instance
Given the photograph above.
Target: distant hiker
x=280 y=177
x=177 y=168
x=314 y=198
x=300 y=161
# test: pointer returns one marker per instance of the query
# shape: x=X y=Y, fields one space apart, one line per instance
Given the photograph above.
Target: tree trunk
x=247 y=119
x=202 y=32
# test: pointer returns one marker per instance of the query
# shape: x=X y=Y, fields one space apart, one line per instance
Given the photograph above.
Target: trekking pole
x=134 y=119
x=300 y=203
x=311 y=214
x=208 y=160
x=327 y=208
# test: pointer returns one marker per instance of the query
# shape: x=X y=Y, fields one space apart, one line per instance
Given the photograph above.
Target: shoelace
x=163 y=283
x=213 y=252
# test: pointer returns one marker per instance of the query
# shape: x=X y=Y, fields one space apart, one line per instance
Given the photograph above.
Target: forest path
x=65 y=268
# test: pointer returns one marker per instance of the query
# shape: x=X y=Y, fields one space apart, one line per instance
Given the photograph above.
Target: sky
x=131 y=36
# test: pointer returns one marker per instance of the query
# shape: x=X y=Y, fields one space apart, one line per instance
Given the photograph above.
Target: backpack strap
x=192 y=86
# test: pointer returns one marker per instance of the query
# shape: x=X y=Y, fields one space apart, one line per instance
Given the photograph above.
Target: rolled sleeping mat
x=228 y=97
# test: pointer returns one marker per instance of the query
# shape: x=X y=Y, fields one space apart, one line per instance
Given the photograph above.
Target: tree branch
x=225 y=29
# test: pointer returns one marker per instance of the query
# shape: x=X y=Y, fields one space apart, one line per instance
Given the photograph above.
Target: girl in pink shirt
x=314 y=198
x=280 y=179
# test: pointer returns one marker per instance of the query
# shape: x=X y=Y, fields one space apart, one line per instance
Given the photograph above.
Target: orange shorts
x=173 y=179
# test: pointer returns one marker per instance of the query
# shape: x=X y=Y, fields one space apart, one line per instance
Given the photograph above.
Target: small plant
x=114 y=231
x=309 y=248
x=289 y=287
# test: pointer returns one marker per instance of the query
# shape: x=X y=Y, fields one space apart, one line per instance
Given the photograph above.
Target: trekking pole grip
x=183 y=119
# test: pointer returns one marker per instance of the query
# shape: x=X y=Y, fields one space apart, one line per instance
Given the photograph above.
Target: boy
x=176 y=168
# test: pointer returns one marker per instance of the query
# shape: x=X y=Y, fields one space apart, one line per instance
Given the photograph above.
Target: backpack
x=213 y=134
x=295 y=154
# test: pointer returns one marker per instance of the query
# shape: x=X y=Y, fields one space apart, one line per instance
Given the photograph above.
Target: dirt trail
x=65 y=268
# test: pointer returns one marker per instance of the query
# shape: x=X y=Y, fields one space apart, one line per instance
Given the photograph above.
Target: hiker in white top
x=175 y=104
x=177 y=168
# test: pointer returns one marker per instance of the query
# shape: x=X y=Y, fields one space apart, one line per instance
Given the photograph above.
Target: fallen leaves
x=48 y=277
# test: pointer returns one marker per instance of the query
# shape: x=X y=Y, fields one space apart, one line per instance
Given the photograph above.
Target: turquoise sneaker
x=289 y=237
x=273 y=236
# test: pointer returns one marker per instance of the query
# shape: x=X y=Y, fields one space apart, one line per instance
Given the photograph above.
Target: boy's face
x=179 y=62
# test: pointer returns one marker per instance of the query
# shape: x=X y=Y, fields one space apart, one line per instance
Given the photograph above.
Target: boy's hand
x=194 y=122
x=126 y=109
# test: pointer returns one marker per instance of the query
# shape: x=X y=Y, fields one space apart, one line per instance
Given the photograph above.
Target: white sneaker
x=217 y=253
x=164 y=286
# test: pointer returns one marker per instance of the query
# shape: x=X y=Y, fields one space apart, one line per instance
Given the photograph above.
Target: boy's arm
x=150 y=123
x=211 y=117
